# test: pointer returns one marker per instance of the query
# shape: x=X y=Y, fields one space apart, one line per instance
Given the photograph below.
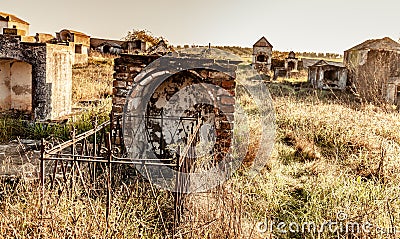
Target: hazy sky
x=299 y=25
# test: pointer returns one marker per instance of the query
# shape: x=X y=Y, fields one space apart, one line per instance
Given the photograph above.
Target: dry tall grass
x=93 y=81
x=332 y=155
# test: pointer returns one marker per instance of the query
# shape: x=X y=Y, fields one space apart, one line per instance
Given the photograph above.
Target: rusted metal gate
x=88 y=159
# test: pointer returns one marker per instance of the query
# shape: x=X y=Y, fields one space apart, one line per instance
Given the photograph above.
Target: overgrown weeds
x=12 y=128
x=335 y=160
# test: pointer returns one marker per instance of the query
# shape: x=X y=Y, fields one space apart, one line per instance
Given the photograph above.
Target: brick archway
x=151 y=88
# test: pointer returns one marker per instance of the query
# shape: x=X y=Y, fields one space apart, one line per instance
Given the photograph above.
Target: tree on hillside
x=143 y=35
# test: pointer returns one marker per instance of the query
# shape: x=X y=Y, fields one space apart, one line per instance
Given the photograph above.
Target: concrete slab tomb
x=327 y=75
x=35 y=78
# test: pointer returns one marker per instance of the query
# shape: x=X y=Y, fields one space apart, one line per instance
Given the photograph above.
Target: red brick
x=227 y=100
x=228 y=84
x=119 y=84
x=118 y=101
x=117 y=109
x=227 y=109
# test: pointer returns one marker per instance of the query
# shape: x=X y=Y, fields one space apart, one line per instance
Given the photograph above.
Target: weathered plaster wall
x=370 y=70
x=5 y=82
x=21 y=86
x=59 y=60
x=3 y=24
x=35 y=55
x=15 y=85
x=83 y=41
x=80 y=39
x=81 y=57
x=51 y=76
x=20 y=26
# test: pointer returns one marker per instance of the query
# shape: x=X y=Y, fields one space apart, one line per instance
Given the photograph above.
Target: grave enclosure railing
x=87 y=161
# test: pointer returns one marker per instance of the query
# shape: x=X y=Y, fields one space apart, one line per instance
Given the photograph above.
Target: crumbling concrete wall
x=393 y=91
x=59 y=59
x=157 y=87
x=370 y=70
x=21 y=86
x=50 y=67
x=337 y=78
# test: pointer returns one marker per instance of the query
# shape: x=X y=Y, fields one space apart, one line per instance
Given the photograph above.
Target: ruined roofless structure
x=371 y=64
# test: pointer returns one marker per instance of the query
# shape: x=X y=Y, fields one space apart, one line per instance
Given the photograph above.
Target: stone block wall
x=126 y=68
x=265 y=65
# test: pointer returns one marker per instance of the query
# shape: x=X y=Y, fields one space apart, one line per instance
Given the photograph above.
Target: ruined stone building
x=327 y=75
x=372 y=66
x=10 y=23
x=35 y=78
x=80 y=42
x=262 y=55
x=134 y=47
x=106 y=46
x=283 y=68
x=291 y=62
x=117 y=47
